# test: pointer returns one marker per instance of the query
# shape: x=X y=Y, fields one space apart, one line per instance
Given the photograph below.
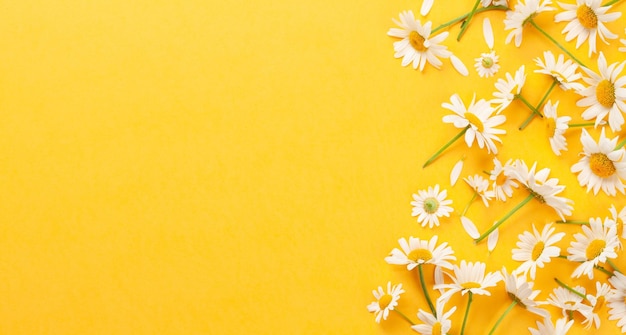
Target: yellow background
x=231 y=167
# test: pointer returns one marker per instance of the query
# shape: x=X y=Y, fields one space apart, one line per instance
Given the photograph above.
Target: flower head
x=547 y=328
x=506 y=87
x=597 y=243
x=469 y=277
x=556 y=127
x=415 y=252
x=429 y=205
x=617 y=300
x=487 y=64
x=521 y=291
x=597 y=303
x=536 y=249
x=479 y=184
x=440 y=324
x=502 y=184
x=516 y=19
x=385 y=301
x=564 y=72
x=567 y=301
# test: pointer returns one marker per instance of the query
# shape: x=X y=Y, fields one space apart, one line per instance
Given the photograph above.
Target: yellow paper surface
x=194 y=167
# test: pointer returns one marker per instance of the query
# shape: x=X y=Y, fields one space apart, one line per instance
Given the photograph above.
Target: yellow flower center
x=550 y=126
x=587 y=17
x=417 y=255
x=417 y=41
x=384 y=301
x=437 y=328
x=537 y=250
x=487 y=62
x=601 y=165
x=605 y=93
x=470 y=285
x=500 y=179
x=594 y=249
x=475 y=121
x=431 y=205
x=599 y=304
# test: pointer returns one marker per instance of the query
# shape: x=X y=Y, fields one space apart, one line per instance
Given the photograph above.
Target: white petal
x=470 y=227
x=458 y=65
x=456 y=172
x=492 y=240
x=439 y=278
x=488 y=33
x=426 y=6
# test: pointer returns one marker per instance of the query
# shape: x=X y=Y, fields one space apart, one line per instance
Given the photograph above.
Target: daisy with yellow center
x=547 y=328
x=480 y=187
x=597 y=301
x=601 y=166
x=435 y=324
x=429 y=205
x=536 y=249
x=596 y=245
x=564 y=72
x=523 y=13
x=508 y=89
x=617 y=300
x=568 y=301
x=605 y=95
x=502 y=185
x=586 y=20
x=385 y=301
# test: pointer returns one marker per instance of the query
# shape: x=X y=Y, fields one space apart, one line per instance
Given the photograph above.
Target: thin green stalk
x=467 y=22
x=404 y=317
x=608 y=260
x=469 y=302
x=562 y=284
x=430 y=302
x=532 y=22
x=431 y=159
x=574 y=125
x=462 y=17
x=531 y=107
x=545 y=96
x=502 y=316
x=495 y=225
x=469 y=203
x=573 y=222
x=612 y=2
x=620 y=145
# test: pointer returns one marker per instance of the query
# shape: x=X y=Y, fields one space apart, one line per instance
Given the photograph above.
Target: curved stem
x=430 y=303
x=562 y=284
x=467 y=22
x=532 y=22
x=462 y=17
x=495 y=225
x=502 y=316
x=404 y=317
x=431 y=159
x=469 y=302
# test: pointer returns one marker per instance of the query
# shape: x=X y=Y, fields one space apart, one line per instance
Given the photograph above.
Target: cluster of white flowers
x=601 y=166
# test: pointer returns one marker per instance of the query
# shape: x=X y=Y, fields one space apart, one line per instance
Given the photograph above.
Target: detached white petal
x=492 y=240
x=426 y=6
x=458 y=65
x=456 y=172
x=470 y=227
x=488 y=33
x=439 y=278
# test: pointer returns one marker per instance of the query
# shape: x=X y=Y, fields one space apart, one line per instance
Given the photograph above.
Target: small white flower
x=385 y=301
x=617 y=300
x=597 y=302
x=565 y=72
x=606 y=94
x=556 y=127
x=469 y=277
x=435 y=325
x=416 y=252
x=601 y=166
x=586 y=21
x=595 y=246
x=456 y=172
x=479 y=120
x=506 y=87
x=536 y=249
x=502 y=184
x=521 y=291
x=429 y=205
x=479 y=184
x=567 y=301
x=487 y=64
x=547 y=328
x=516 y=19
x=416 y=45
x=487 y=3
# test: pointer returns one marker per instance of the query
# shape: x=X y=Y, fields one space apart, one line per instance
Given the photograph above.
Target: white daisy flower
x=597 y=303
x=540 y=187
x=416 y=45
x=620 y=220
x=479 y=184
x=487 y=64
x=586 y=20
x=385 y=301
x=487 y=3
x=564 y=72
x=502 y=184
x=595 y=246
x=601 y=166
x=556 y=127
x=435 y=325
x=516 y=19
x=567 y=301
x=606 y=94
x=521 y=291
x=479 y=121
x=416 y=252
x=536 y=249
x=547 y=328
x=429 y=205
x=506 y=87
x=617 y=300
x=469 y=277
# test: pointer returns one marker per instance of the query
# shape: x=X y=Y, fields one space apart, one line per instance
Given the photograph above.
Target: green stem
x=495 y=225
x=531 y=107
x=562 y=284
x=574 y=125
x=469 y=302
x=462 y=17
x=431 y=159
x=532 y=22
x=404 y=317
x=467 y=22
x=469 y=203
x=573 y=222
x=430 y=303
x=545 y=96
x=612 y=2
x=608 y=260
x=502 y=316
x=620 y=145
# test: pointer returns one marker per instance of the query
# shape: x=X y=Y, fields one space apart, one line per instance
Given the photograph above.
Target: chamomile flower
x=536 y=249
x=385 y=301
x=601 y=166
x=556 y=127
x=586 y=21
x=617 y=300
x=620 y=220
x=567 y=301
x=415 y=252
x=547 y=328
x=416 y=45
x=606 y=94
x=469 y=277
x=521 y=292
x=487 y=64
x=597 y=244
x=477 y=120
x=516 y=19
x=564 y=72
x=479 y=184
x=487 y=3
x=429 y=205
x=504 y=96
x=597 y=302
x=502 y=184
x=434 y=325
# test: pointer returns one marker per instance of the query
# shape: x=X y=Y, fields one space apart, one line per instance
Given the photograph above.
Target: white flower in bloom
x=521 y=291
x=617 y=300
x=479 y=184
x=565 y=72
x=606 y=94
x=601 y=166
x=543 y=189
x=429 y=205
x=506 y=87
x=586 y=20
x=479 y=120
x=567 y=301
x=536 y=249
x=597 y=302
x=487 y=3
x=556 y=127
x=435 y=325
x=487 y=64
x=416 y=45
x=595 y=246
x=416 y=251
x=469 y=277
x=385 y=301
x=547 y=328
x=502 y=184
x=516 y=19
